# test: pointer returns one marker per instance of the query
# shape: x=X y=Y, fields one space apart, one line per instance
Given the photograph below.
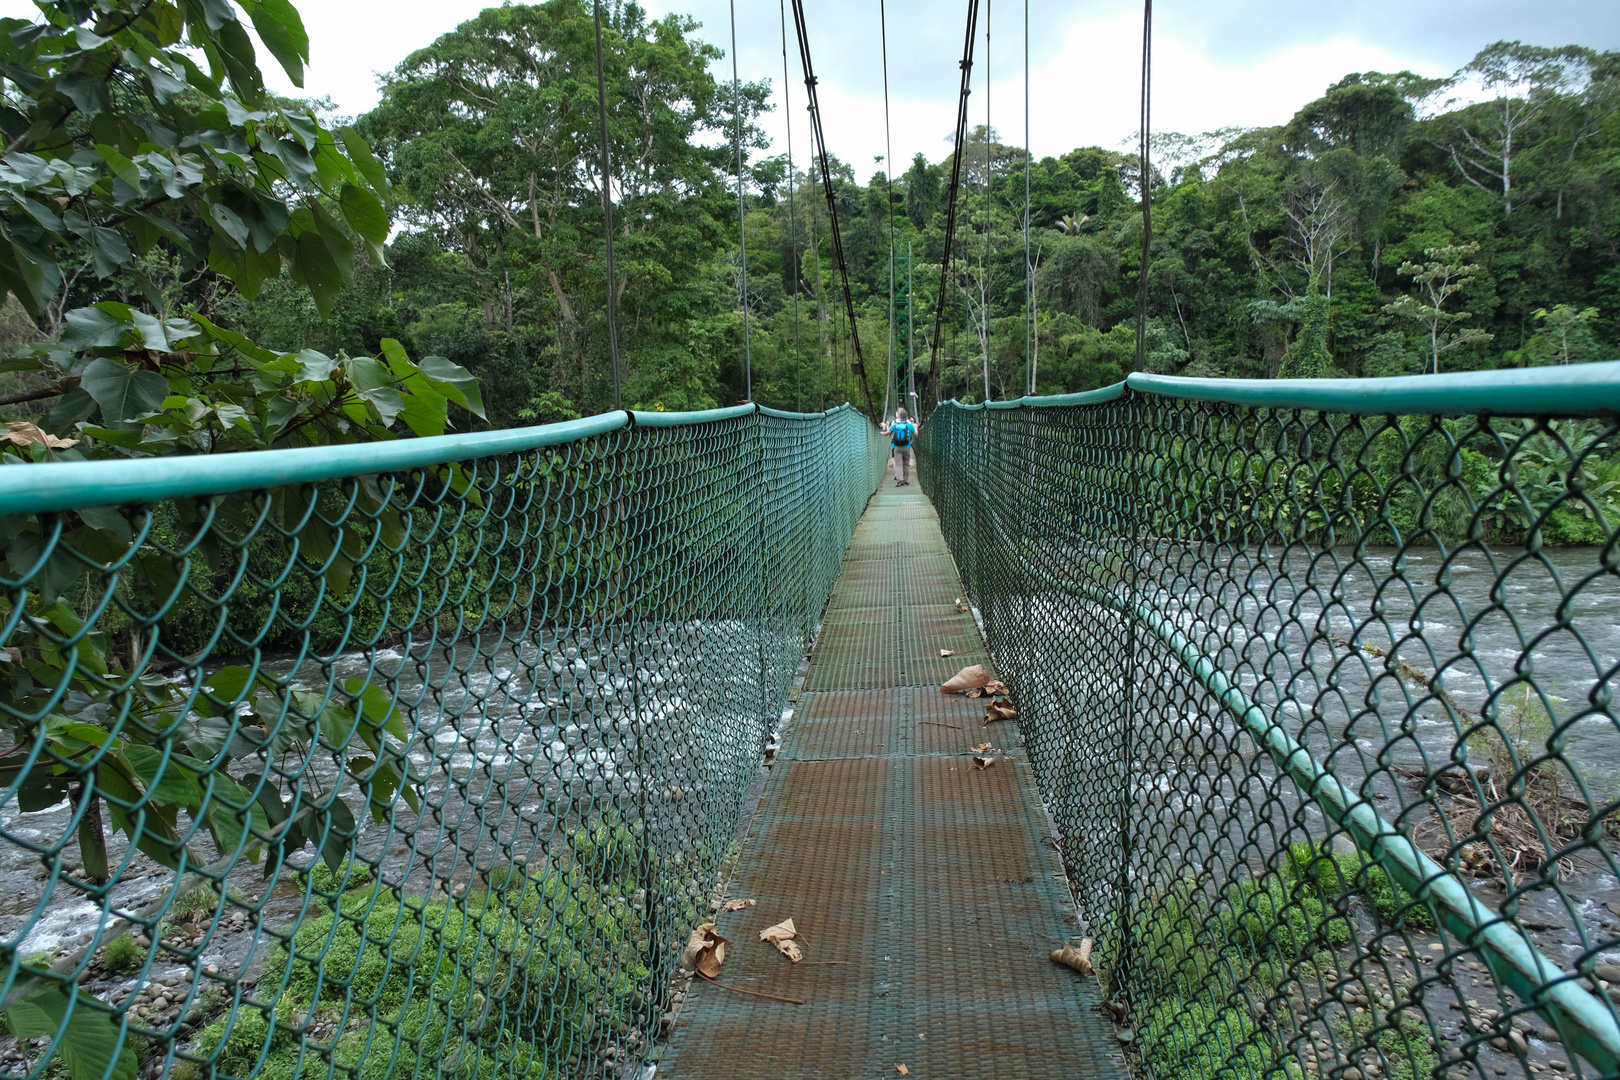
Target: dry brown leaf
x=968 y=678
x=943 y=653
x=782 y=931
x=1075 y=956
x=981 y=748
x=705 y=951
x=961 y=606
x=22 y=433
x=995 y=686
x=1001 y=709
x=975 y=692
x=982 y=762
x=737 y=905
x=902 y=1070
x=781 y=935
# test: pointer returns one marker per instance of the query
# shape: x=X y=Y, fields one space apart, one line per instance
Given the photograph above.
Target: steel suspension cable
x=1029 y=267
x=793 y=225
x=607 y=216
x=1146 y=180
x=956 y=183
x=825 y=351
x=984 y=197
x=819 y=139
x=742 y=208
x=890 y=374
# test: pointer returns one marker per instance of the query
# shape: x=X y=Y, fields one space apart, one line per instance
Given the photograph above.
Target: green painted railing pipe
x=68 y=485
x=1569 y=390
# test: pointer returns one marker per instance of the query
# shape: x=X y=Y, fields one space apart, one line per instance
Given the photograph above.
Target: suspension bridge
x=458 y=756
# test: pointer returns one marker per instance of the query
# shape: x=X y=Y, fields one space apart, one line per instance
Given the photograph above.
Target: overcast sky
x=1216 y=62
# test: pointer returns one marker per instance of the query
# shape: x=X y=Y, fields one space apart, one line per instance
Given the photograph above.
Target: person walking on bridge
x=901 y=432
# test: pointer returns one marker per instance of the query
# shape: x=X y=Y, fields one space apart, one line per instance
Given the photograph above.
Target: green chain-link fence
x=1317 y=682
x=415 y=759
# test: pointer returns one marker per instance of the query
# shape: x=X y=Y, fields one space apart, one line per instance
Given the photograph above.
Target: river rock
x=1609 y=973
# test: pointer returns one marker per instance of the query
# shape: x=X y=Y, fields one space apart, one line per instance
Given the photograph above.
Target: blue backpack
x=900 y=433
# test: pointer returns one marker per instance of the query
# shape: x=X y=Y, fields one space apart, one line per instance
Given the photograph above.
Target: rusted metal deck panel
x=928 y=890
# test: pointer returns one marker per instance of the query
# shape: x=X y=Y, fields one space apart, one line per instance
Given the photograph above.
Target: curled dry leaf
x=705 y=952
x=995 y=686
x=943 y=653
x=902 y=1070
x=981 y=748
x=999 y=710
x=782 y=931
x=982 y=762
x=781 y=935
x=737 y=905
x=973 y=677
x=1075 y=956
x=21 y=433
x=975 y=692
x=961 y=606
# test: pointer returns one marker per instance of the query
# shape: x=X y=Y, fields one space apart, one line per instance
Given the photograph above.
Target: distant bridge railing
x=1318 y=679
x=409 y=759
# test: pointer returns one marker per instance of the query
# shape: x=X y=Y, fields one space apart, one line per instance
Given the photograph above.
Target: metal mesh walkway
x=931 y=886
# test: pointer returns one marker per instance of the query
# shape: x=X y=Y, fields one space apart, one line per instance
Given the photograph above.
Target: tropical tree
x=143 y=149
x=1443 y=274
x=492 y=136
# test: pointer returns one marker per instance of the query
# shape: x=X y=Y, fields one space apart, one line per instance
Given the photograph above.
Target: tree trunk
x=92 y=838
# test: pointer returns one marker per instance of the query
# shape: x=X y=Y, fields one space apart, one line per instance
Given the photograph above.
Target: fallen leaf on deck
x=959 y=605
x=705 y=951
x=781 y=935
x=983 y=762
x=943 y=653
x=975 y=692
x=1075 y=956
x=981 y=748
x=999 y=710
x=21 y=432
x=782 y=931
x=995 y=686
x=968 y=678
x=902 y=1070
x=737 y=905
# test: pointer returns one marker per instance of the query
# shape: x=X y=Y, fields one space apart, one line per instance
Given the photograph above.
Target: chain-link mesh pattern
x=426 y=774
x=1321 y=706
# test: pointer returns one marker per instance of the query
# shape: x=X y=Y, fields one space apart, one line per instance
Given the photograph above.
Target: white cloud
x=1087 y=95
x=1084 y=89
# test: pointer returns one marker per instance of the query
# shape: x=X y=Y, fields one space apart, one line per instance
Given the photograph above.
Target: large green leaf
x=123 y=390
x=241 y=63
x=170 y=780
x=322 y=256
x=375 y=384
x=377 y=708
x=282 y=31
x=364 y=212
x=360 y=153
x=453 y=381
x=89 y=1042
